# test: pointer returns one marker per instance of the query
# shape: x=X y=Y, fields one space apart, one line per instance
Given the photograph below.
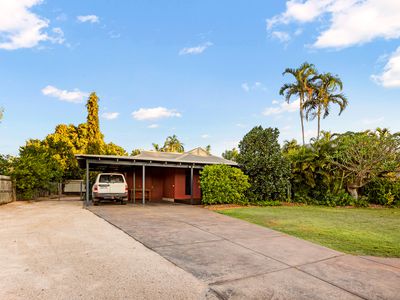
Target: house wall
x=180 y=181
x=164 y=183
x=169 y=184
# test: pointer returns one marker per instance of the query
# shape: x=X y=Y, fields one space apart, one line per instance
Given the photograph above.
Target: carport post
x=191 y=185
x=143 y=184
x=134 y=185
x=87 y=183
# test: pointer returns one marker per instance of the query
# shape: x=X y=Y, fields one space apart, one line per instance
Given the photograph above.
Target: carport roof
x=197 y=157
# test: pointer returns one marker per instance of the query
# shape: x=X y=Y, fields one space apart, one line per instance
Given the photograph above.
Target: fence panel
x=7 y=190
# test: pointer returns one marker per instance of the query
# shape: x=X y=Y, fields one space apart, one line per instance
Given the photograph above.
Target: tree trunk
x=302 y=118
x=353 y=190
x=319 y=122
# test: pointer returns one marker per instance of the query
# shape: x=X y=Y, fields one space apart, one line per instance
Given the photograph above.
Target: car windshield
x=111 y=179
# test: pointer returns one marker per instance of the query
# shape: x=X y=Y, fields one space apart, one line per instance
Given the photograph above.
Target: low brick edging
x=7 y=190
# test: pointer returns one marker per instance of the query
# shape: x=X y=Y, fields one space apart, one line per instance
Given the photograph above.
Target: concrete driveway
x=239 y=260
x=57 y=250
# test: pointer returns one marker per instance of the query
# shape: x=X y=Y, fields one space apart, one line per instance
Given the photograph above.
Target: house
x=155 y=176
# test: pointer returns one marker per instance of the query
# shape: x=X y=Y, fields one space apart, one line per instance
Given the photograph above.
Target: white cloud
x=154 y=113
x=390 y=77
x=351 y=22
x=205 y=136
x=21 y=28
x=75 y=96
x=282 y=36
x=195 y=50
x=110 y=115
x=153 y=126
x=283 y=107
x=247 y=87
x=62 y=17
x=88 y=18
x=58 y=37
x=372 y=121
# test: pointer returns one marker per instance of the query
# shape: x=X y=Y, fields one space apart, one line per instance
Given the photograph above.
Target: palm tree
x=302 y=87
x=172 y=144
x=156 y=147
x=326 y=88
x=290 y=146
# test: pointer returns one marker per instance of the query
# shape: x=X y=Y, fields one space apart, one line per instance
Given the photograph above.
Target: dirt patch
x=224 y=206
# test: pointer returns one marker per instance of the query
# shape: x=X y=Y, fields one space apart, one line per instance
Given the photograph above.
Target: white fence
x=7 y=190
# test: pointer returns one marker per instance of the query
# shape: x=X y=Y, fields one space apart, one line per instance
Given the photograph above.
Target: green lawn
x=361 y=231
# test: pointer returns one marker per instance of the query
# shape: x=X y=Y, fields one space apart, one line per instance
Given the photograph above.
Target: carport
x=155 y=175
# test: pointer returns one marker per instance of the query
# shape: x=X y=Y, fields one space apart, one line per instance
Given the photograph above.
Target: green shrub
x=223 y=184
x=383 y=191
x=325 y=197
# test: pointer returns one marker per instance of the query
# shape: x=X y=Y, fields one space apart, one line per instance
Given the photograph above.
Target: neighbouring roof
x=197 y=156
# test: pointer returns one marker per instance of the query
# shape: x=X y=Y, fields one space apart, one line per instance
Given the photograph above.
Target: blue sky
x=207 y=71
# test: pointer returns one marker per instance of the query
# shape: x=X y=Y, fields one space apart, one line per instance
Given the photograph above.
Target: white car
x=110 y=186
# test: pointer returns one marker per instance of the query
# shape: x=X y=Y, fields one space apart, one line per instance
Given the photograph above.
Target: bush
x=383 y=191
x=325 y=197
x=223 y=184
x=35 y=171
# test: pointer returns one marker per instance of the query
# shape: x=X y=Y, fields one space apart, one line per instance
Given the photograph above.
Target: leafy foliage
x=135 y=152
x=171 y=144
x=6 y=162
x=113 y=149
x=223 y=184
x=95 y=141
x=365 y=155
x=231 y=154
x=383 y=190
x=261 y=159
x=35 y=169
x=41 y=162
x=330 y=168
x=326 y=91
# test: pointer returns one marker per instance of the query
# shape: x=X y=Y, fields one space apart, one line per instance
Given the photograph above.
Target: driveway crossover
x=242 y=260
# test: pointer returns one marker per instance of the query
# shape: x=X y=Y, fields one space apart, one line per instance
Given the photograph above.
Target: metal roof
x=196 y=156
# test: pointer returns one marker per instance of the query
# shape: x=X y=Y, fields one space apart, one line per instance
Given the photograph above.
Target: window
x=111 y=179
x=188 y=182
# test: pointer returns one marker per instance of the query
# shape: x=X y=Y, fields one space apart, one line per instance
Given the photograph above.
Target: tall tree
x=95 y=137
x=261 y=159
x=1 y=113
x=172 y=144
x=363 y=156
x=302 y=87
x=327 y=91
